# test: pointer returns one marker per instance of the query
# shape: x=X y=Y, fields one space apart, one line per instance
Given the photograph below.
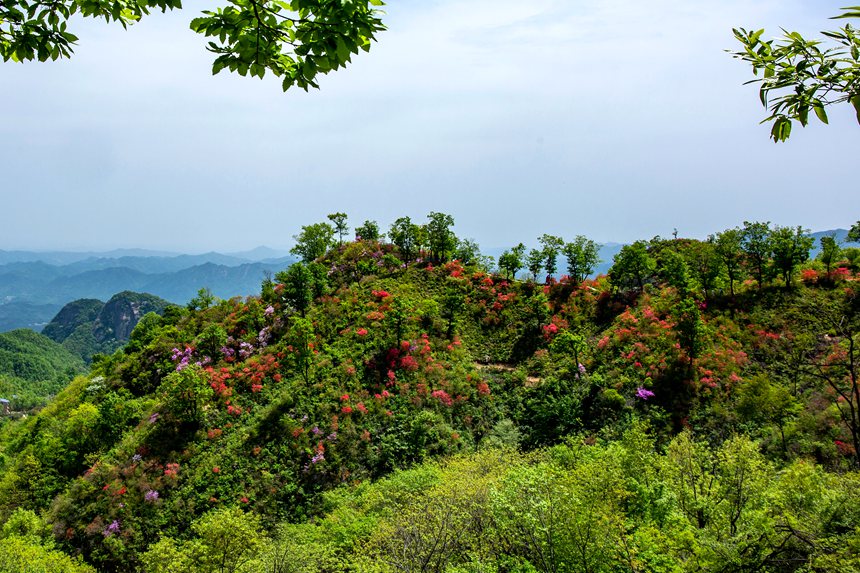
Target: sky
x=616 y=119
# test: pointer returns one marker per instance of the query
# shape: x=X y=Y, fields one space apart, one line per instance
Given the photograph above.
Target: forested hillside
x=404 y=405
x=33 y=368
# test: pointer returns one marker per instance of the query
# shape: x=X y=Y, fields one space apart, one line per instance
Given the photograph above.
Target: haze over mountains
x=34 y=286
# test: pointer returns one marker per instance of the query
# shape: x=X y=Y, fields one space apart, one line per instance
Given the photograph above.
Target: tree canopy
x=294 y=39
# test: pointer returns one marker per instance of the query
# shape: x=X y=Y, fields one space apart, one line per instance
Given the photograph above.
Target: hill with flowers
x=407 y=405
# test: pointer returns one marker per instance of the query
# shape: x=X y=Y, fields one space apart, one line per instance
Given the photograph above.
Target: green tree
x=729 y=248
x=226 y=541
x=314 y=241
x=757 y=248
x=468 y=252
x=301 y=283
x=510 y=262
x=369 y=231
x=834 y=322
x=211 y=340
x=406 y=236
x=440 y=238
x=582 y=257
x=690 y=329
x=231 y=538
x=854 y=233
x=21 y=555
x=295 y=40
x=830 y=252
x=674 y=270
x=183 y=395
x=301 y=337
x=633 y=265
x=534 y=263
x=705 y=263
x=340 y=226
x=550 y=246
x=799 y=75
x=790 y=247
x=761 y=400
x=203 y=300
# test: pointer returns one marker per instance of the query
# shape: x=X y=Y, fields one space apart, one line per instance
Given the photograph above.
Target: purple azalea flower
x=644 y=393
x=111 y=529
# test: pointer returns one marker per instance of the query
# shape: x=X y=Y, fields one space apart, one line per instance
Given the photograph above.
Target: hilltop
x=382 y=405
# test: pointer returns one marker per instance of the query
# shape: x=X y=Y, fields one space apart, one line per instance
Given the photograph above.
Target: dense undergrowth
x=370 y=412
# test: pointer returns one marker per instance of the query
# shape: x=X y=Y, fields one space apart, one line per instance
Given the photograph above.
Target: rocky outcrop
x=89 y=326
x=122 y=312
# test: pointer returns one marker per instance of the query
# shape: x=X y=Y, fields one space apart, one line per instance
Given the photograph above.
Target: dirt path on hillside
x=502 y=367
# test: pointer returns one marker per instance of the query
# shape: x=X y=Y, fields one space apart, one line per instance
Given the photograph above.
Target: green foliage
x=729 y=248
x=534 y=263
x=440 y=239
x=550 y=248
x=340 y=226
x=510 y=262
x=407 y=237
x=369 y=231
x=312 y=405
x=20 y=555
x=71 y=316
x=854 y=233
x=33 y=368
x=31 y=356
x=468 y=252
x=757 y=248
x=582 y=257
x=203 y=300
x=25 y=524
x=293 y=40
x=790 y=247
x=313 y=242
x=299 y=284
x=184 y=394
x=632 y=266
x=799 y=75
x=829 y=253
x=226 y=541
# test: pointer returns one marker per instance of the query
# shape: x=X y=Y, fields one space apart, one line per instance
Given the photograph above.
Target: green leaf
x=855 y=101
x=803 y=114
x=781 y=129
x=819 y=111
x=850 y=12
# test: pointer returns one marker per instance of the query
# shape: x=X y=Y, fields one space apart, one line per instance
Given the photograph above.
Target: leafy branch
x=293 y=39
x=799 y=75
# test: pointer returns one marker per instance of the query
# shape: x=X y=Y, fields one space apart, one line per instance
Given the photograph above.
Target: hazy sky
x=618 y=119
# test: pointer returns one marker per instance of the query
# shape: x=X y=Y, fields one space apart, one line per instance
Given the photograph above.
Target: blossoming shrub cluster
x=250 y=412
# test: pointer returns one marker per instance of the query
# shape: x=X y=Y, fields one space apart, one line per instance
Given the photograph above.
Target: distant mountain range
x=34 y=286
